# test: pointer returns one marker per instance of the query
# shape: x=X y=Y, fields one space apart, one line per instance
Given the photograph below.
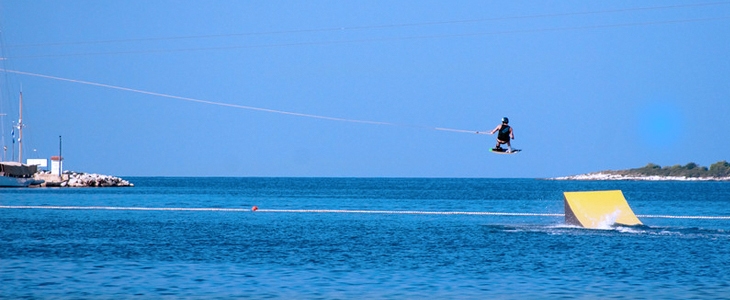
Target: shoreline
x=609 y=176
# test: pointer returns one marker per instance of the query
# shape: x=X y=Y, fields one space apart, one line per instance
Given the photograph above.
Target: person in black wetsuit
x=504 y=135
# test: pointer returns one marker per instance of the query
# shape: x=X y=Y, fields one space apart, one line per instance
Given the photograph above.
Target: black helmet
x=505 y=120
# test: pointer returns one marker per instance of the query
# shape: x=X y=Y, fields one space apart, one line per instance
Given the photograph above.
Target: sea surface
x=360 y=238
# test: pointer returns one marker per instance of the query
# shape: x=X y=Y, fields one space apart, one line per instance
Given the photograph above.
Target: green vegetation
x=718 y=169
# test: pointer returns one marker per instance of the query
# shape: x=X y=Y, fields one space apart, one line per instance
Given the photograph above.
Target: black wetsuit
x=503 y=133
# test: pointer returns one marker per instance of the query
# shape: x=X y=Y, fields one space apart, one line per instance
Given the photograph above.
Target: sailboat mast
x=20 y=131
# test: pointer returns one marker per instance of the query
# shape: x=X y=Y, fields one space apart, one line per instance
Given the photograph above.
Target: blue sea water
x=126 y=252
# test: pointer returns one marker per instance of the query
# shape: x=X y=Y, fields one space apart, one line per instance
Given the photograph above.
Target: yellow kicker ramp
x=598 y=209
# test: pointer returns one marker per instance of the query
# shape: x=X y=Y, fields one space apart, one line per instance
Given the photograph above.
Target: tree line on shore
x=718 y=169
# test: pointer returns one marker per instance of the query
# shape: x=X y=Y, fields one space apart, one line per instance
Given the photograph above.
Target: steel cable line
x=372 y=27
x=371 y=40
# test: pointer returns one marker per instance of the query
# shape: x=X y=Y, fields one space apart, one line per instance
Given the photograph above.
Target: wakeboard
x=504 y=151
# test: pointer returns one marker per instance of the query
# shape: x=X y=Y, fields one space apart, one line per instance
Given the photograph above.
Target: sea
x=360 y=238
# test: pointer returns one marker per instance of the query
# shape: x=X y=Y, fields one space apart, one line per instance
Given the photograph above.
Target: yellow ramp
x=598 y=209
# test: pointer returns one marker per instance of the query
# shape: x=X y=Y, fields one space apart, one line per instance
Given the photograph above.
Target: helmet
x=505 y=120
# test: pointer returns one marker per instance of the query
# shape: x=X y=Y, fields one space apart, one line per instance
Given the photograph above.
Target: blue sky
x=587 y=85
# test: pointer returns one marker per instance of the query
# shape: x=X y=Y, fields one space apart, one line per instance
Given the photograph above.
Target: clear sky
x=587 y=85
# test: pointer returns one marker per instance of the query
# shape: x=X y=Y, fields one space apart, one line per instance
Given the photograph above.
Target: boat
x=15 y=174
x=18 y=174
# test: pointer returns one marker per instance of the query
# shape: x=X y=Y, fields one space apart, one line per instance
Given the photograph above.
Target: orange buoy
x=255 y=208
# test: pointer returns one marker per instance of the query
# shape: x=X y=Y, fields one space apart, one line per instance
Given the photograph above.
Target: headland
x=719 y=171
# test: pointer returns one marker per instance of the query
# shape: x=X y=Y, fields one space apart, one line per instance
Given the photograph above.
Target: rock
x=94 y=180
x=79 y=179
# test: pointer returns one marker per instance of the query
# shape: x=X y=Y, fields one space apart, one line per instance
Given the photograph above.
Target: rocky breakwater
x=74 y=179
x=95 y=180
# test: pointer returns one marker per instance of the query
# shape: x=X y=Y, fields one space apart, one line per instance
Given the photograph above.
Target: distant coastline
x=719 y=171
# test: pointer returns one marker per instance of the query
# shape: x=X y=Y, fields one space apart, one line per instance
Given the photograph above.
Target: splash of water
x=607 y=220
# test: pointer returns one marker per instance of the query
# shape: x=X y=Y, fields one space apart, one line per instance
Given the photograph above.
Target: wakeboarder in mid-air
x=505 y=134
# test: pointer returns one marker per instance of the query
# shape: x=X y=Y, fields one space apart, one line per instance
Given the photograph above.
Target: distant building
x=56 y=165
x=40 y=162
